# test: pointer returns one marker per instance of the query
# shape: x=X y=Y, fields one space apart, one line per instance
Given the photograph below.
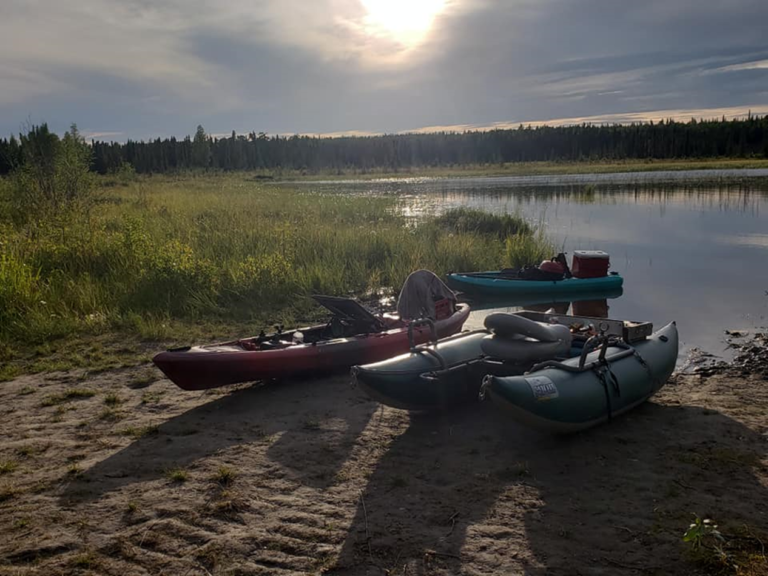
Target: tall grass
x=229 y=250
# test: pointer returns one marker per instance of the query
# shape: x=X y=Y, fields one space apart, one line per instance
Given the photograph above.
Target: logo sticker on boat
x=543 y=388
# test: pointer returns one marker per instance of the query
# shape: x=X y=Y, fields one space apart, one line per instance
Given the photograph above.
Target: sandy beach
x=312 y=477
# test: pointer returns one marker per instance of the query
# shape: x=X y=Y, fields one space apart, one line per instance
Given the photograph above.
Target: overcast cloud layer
x=148 y=68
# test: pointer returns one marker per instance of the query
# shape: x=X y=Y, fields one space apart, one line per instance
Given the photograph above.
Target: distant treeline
x=258 y=151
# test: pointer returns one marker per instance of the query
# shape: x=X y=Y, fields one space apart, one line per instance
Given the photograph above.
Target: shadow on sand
x=317 y=421
x=471 y=493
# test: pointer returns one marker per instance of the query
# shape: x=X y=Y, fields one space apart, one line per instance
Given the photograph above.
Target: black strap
x=655 y=384
x=614 y=380
x=601 y=377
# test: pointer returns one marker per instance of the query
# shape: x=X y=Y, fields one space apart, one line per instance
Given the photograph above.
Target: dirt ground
x=312 y=477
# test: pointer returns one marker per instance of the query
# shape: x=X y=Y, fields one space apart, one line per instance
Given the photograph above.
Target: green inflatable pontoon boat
x=499 y=284
x=579 y=393
x=555 y=372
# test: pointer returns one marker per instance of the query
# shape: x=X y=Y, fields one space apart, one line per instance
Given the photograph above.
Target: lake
x=692 y=246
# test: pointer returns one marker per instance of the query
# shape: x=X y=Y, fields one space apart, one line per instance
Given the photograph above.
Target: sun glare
x=406 y=21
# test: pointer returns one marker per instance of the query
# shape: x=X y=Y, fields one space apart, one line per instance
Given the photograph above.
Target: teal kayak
x=562 y=397
x=530 y=301
x=495 y=283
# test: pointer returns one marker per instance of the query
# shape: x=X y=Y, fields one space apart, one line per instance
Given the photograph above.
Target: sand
x=312 y=477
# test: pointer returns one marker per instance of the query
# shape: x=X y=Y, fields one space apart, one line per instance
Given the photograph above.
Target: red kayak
x=353 y=336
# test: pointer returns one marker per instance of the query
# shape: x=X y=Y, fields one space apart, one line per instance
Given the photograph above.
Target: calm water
x=689 y=251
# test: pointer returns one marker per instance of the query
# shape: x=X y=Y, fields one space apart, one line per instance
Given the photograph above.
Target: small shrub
x=151 y=397
x=26 y=451
x=21 y=523
x=112 y=399
x=177 y=475
x=7 y=466
x=225 y=476
x=111 y=414
x=85 y=561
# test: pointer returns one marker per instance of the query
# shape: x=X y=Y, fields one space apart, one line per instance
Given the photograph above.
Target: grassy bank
x=178 y=259
x=525 y=169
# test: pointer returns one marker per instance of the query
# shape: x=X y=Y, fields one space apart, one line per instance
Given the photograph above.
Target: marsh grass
x=220 y=250
x=527 y=169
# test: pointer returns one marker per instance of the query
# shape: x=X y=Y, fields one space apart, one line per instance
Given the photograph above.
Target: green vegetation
x=84 y=561
x=225 y=476
x=7 y=466
x=169 y=259
x=21 y=523
x=26 y=451
x=151 y=397
x=67 y=395
x=112 y=400
x=111 y=414
x=177 y=475
x=740 y=552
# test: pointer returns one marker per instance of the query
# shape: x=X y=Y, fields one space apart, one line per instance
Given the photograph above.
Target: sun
x=406 y=21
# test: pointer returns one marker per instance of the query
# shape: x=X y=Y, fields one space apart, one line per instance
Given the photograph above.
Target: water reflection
x=736 y=198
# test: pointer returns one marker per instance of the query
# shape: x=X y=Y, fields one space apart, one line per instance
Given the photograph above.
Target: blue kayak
x=496 y=283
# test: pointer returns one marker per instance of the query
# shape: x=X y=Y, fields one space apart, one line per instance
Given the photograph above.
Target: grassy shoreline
x=521 y=169
x=179 y=260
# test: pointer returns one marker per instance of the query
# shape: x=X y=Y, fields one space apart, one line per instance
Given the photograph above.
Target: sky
x=143 y=69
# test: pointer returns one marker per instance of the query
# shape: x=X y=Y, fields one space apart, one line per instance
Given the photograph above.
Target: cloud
x=757 y=65
x=107 y=135
x=155 y=68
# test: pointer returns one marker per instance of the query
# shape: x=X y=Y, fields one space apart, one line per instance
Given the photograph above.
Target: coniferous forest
x=741 y=138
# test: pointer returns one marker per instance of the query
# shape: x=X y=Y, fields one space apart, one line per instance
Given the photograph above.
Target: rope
x=655 y=383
